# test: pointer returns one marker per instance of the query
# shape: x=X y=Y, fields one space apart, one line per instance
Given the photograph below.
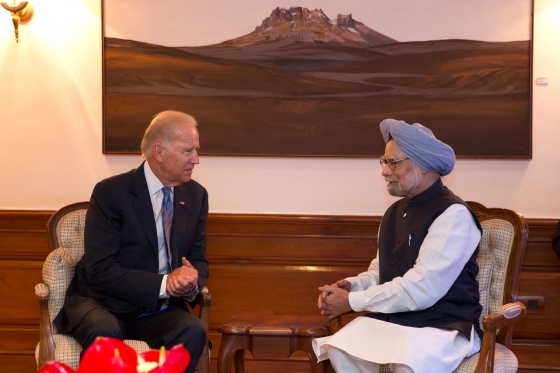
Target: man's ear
x=157 y=150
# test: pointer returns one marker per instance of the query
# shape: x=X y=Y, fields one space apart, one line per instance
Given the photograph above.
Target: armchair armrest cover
x=58 y=271
x=505 y=316
x=510 y=310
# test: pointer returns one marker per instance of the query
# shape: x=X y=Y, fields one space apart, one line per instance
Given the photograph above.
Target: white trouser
x=346 y=363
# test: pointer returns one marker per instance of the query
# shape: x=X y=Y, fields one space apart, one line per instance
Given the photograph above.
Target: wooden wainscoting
x=268 y=264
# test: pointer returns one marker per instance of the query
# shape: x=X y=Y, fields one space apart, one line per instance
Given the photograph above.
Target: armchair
x=500 y=256
x=65 y=230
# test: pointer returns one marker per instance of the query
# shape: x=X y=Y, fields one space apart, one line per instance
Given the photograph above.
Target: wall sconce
x=21 y=12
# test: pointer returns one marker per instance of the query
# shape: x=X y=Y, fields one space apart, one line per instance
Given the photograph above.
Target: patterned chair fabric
x=493 y=257
x=58 y=270
x=495 y=249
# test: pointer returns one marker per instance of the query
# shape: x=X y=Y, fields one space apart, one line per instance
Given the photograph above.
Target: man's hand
x=182 y=280
x=333 y=300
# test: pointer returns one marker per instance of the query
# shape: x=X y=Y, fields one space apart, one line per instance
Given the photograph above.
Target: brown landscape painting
x=305 y=84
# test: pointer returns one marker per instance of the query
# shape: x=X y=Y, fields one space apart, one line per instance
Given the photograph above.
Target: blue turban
x=420 y=145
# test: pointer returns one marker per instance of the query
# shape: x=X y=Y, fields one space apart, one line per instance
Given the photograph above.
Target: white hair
x=163 y=129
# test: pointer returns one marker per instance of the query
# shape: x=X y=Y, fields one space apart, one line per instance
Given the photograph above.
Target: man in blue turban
x=421 y=289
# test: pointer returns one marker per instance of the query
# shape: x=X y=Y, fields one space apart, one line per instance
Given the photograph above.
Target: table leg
x=232 y=352
x=239 y=361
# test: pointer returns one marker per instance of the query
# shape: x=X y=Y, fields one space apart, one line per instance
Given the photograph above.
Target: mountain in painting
x=304 y=25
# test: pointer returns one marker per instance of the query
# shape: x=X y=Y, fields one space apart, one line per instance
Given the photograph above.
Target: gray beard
x=395 y=190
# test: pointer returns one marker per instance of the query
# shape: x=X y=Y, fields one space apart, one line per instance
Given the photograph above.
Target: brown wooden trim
x=23 y=234
x=269 y=251
x=24 y=219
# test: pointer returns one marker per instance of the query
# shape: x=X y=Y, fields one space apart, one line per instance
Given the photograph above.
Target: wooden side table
x=272 y=336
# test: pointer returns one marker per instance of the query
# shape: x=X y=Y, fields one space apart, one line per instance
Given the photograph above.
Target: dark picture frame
x=320 y=90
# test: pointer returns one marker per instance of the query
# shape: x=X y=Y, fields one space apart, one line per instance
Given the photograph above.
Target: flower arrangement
x=110 y=355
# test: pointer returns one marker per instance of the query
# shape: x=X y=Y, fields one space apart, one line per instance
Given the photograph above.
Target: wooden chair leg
x=316 y=367
x=203 y=365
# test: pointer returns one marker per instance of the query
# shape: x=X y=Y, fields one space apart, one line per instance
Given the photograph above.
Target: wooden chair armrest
x=335 y=324
x=46 y=346
x=504 y=317
x=205 y=298
x=204 y=301
x=508 y=314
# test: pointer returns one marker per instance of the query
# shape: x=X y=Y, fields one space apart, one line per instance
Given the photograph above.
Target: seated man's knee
x=186 y=329
x=195 y=331
x=345 y=362
x=97 y=323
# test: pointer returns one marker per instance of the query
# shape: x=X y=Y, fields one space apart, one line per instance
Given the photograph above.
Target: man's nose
x=194 y=158
x=386 y=171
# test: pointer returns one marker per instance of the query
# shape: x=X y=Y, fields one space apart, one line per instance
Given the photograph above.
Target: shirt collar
x=154 y=185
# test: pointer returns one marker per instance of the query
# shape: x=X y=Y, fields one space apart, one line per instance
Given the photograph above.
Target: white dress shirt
x=156 y=195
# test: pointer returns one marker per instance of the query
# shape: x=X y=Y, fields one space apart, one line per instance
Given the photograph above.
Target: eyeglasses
x=392 y=163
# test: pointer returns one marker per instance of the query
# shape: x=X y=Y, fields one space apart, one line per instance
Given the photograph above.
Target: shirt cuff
x=162 y=289
x=356 y=300
x=191 y=295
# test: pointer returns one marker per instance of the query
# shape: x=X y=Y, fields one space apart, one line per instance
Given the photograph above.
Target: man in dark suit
x=145 y=248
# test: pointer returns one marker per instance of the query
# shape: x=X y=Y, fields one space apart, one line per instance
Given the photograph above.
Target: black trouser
x=168 y=328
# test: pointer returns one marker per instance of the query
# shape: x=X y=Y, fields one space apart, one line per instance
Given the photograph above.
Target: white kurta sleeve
x=365 y=280
x=451 y=240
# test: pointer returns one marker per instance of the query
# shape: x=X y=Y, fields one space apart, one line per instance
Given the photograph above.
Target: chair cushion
x=497 y=239
x=485 y=261
x=67 y=350
x=58 y=270
x=70 y=232
x=504 y=362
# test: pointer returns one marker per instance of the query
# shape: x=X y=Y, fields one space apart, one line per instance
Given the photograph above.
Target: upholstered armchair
x=65 y=231
x=500 y=256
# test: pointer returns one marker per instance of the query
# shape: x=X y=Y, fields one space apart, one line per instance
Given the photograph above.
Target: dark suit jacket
x=119 y=269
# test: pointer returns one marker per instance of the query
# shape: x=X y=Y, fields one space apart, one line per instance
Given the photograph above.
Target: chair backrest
x=66 y=227
x=65 y=230
x=500 y=257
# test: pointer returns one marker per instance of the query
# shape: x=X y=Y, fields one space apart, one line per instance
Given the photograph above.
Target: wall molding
x=252 y=255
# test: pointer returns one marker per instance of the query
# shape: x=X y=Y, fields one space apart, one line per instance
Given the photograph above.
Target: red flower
x=108 y=355
x=172 y=361
x=56 y=367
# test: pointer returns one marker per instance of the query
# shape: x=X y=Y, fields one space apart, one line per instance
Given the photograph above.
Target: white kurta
x=449 y=244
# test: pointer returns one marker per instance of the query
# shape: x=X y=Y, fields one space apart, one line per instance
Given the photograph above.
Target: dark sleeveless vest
x=459 y=309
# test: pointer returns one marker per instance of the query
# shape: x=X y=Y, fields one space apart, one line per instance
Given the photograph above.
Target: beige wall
x=50 y=134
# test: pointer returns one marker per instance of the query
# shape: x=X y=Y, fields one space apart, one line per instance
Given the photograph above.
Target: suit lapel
x=181 y=208
x=143 y=205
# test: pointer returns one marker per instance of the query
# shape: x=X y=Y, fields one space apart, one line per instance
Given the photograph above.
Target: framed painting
x=266 y=78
